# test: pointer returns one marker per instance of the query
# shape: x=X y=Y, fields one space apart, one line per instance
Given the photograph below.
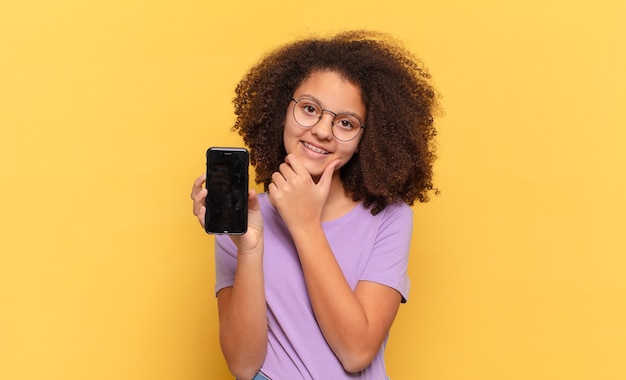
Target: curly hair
x=396 y=153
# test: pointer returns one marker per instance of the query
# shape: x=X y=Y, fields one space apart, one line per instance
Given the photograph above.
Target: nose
x=324 y=127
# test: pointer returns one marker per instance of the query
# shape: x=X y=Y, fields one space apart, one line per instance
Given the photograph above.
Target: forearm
x=243 y=318
x=339 y=312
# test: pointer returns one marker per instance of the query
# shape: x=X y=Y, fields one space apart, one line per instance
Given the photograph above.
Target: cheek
x=349 y=151
x=290 y=136
x=354 y=146
x=292 y=131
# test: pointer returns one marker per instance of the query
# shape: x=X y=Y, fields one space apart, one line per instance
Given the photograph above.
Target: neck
x=338 y=202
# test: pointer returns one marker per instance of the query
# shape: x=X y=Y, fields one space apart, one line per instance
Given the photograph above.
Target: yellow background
x=106 y=108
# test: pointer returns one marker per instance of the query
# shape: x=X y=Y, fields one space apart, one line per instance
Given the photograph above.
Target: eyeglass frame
x=332 y=124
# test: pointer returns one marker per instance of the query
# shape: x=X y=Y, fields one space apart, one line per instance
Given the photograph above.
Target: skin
x=306 y=191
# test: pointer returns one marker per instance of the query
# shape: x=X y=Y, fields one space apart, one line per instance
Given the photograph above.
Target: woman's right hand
x=253 y=238
x=198 y=195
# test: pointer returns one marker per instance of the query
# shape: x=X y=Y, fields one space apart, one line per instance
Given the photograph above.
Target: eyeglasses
x=345 y=127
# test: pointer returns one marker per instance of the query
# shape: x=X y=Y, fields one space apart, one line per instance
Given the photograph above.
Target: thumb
x=327 y=176
x=253 y=201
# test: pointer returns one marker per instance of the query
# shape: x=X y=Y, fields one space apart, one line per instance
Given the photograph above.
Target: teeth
x=315 y=149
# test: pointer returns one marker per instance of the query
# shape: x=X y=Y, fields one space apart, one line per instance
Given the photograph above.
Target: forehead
x=332 y=91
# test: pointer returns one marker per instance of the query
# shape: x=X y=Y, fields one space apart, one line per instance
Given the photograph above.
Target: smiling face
x=316 y=147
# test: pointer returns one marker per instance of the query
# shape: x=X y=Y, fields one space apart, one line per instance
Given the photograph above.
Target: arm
x=241 y=307
x=354 y=323
x=243 y=318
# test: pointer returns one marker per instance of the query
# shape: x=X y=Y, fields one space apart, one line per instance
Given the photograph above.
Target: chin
x=315 y=174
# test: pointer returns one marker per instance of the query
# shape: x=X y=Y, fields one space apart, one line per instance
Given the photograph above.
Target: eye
x=346 y=122
x=309 y=108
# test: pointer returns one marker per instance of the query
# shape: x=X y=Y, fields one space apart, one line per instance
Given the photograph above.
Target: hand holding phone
x=227 y=184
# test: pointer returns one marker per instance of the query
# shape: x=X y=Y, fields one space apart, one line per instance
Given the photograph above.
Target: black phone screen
x=227 y=185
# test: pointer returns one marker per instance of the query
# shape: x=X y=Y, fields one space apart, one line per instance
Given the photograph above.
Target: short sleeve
x=225 y=262
x=388 y=263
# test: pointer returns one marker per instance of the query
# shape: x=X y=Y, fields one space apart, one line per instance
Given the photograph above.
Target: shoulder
x=395 y=214
x=394 y=219
x=392 y=210
x=397 y=209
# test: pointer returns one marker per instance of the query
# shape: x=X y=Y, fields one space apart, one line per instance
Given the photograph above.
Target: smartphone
x=227 y=185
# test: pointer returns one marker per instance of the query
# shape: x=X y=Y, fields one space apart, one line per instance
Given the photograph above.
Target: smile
x=314 y=148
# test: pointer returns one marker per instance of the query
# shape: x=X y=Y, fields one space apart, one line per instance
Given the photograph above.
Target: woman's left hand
x=298 y=199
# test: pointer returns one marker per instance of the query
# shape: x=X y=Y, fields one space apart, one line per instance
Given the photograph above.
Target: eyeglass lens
x=308 y=113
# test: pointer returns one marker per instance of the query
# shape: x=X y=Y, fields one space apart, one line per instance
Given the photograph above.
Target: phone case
x=227 y=183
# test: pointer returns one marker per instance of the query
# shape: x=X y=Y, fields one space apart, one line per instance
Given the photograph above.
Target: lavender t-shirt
x=367 y=247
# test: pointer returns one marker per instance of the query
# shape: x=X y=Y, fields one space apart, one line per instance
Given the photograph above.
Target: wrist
x=304 y=233
x=250 y=248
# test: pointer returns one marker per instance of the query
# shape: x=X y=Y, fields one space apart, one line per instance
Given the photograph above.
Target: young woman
x=340 y=132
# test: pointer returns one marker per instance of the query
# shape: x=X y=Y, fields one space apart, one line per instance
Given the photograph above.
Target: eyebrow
x=309 y=96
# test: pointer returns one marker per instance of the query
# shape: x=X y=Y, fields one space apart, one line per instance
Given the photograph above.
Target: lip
x=313 y=149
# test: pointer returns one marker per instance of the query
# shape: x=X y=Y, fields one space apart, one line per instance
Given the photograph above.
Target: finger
x=287 y=171
x=197 y=185
x=278 y=178
x=199 y=209
x=200 y=196
x=295 y=164
x=271 y=193
x=198 y=201
x=327 y=175
x=253 y=201
x=201 y=215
